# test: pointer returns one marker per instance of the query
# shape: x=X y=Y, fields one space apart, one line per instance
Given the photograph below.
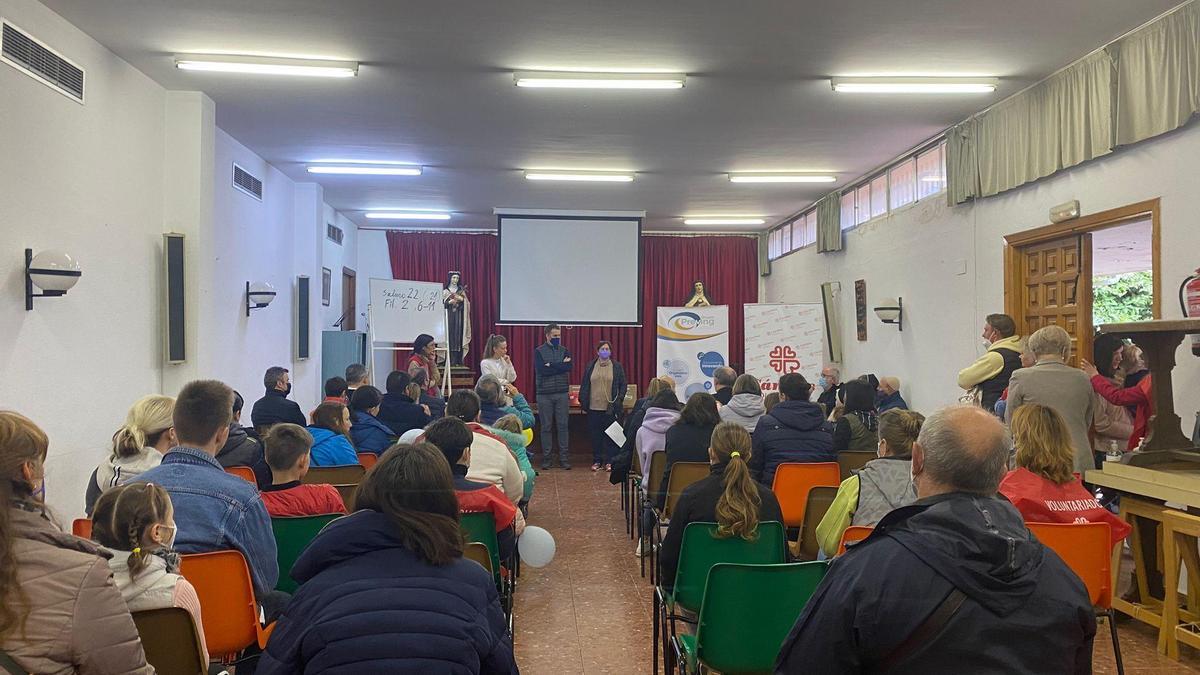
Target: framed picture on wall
x=326 y=285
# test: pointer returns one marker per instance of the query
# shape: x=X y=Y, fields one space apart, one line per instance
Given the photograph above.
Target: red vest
x=1042 y=501
x=303 y=500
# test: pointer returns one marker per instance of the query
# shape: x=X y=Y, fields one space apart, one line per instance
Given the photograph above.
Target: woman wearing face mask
x=424 y=360
x=136 y=524
x=59 y=609
x=602 y=395
x=882 y=485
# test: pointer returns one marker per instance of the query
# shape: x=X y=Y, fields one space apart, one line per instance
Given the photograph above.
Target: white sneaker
x=638 y=552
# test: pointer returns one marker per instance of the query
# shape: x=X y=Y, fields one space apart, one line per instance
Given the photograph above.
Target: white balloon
x=536 y=547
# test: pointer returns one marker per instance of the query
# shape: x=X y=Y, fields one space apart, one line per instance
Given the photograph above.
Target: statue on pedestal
x=458 y=317
x=698 y=297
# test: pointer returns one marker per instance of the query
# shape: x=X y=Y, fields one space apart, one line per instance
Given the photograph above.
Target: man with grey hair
x=723 y=379
x=830 y=383
x=951 y=583
x=492 y=401
x=274 y=407
x=356 y=376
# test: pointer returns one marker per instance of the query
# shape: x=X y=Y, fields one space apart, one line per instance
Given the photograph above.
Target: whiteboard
x=401 y=310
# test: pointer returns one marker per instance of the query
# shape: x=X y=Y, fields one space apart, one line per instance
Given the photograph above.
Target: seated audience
x=330 y=432
x=215 y=511
x=274 y=407
x=491 y=460
x=137 y=446
x=830 y=384
x=795 y=430
x=723 y=381
x=492 y=402
x=243 y=449
x=356 y=376
x=59 y=609
x=857 y=430
x=988 y=376
x=288 y=448
x=435 y=402
x=335 y=390
x=889 y=395
x=661 y=414
x=399 y=411
x=729 y=497
x=746 y=405
x=368 y=433
x=769 y=401
x=689 y=437
x=1111 y=423
x=508 y=428
x=1140 y=396
x=456 y=442
x=1051 y=382
x=386 y=590
x=136 y=525
x=1044 y=487
x=1013 y=606
x=634 y=421
x=881 y=486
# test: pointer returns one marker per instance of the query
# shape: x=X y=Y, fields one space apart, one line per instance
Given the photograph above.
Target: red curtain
x=728 y=266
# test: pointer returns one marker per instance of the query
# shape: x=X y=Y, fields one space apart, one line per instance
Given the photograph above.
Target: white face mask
x=169 y=542
x=985 y=342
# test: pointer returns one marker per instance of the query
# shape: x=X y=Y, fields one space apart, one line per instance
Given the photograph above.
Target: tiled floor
x=589 y=610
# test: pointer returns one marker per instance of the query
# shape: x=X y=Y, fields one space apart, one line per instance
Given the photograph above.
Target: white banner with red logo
x=782 y=339
x=692 y=343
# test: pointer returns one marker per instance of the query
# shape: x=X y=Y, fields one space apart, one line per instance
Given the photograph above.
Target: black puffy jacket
x=794 y=431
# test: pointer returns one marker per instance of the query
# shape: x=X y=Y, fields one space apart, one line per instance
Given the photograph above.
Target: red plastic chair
x=367 y=459
x=792 y=483
x=230 y=617
x=82 y=527
x=243 y=472
x=852 y=534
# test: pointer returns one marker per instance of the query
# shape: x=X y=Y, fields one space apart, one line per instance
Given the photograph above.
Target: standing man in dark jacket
x=242 y=449
x=552 y=385
x=398 y=411
x=794 y=431
x=1006 y=603
x=274 y=407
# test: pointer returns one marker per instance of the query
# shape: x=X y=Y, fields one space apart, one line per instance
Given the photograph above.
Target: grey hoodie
x=884 y=484
x=744 y=409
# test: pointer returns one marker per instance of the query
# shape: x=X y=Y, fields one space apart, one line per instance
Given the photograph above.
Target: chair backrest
x=683 y=474
x=658 y=466
x=702 y=548
x=170 y=638
x=222 y=582
x=820 y=498
x=481 y=527
x=792 y=483
x=1087 y=549
x=347 y=494
x=82 y=527
x=292 y=536
x=852 y=534
x=853 y=460
x=635 y=467
x=347 y=474
x=367 y=459
x=243 y=472
x=748 y=611
x=480 y=554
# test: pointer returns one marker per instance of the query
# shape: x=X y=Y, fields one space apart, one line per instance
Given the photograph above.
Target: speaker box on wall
x=174 y=314
x=302 y=317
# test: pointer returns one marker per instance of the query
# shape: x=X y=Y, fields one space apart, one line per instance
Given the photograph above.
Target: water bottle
x=1114 y=453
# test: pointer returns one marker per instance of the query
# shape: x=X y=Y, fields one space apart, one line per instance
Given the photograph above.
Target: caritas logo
x=783 y=359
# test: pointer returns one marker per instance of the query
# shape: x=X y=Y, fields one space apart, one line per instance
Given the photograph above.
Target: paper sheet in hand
x=616 y=433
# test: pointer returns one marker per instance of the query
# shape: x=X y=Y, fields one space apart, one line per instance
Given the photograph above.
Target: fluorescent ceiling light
x=265 y=65
x=726 y=220
x=778 y=177
x=915 y=85
x=407 y=215
x=582 y=80
x=591 y=176
x=359 y=170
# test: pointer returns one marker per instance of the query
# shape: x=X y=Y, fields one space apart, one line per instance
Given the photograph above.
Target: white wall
x=918 y=253
x=335 y=257
x=373 y=262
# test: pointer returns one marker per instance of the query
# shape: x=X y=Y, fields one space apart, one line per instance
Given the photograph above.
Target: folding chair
x=852 y=534
x=480 y=554
x=292 y=536
x=853 y=460
x=792 y=483
x=346 y=474
x=82 y=528
x=243 y=472
x=658 y=464
x=366 y=459
x=683 y=474
x=171 y=640
x=820 y=498
x=230 y=618
x=480 y=527
x=347 y=493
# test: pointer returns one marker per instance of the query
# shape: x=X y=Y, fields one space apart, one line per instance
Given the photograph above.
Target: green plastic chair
x=747 y=613
x=480 y=527
x=700 y=550
x=292 y=536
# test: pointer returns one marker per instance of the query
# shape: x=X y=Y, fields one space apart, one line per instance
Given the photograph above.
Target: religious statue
x=698 y=297
x=458 y=317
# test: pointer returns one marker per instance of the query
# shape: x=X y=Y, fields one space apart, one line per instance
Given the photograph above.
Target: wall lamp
x=891 y=311
x=258 y=295
x=54 y=272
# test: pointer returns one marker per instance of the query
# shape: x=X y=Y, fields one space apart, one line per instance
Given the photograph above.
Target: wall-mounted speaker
x=174 y=314
x=303 y=335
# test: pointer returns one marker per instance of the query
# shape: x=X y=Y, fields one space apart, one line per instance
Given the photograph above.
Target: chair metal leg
x=657 y=627
x=1112 y=627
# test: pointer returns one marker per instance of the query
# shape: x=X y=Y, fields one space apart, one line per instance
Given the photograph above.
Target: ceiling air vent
x=38 y=61
x=334 y=233
x=246 y=182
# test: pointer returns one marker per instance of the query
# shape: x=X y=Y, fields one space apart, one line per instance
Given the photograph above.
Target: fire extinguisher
x=1189 y=302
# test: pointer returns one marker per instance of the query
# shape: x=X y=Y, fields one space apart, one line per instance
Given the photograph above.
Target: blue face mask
x=554 y=342
x=822 y=382
x=605 y=353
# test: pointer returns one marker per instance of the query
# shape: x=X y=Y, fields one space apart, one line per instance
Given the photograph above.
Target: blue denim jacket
x=216 y=511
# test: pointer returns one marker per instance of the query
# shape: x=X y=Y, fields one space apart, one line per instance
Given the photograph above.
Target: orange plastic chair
x=367 y=459
x=230 y=618
x=1087 y=549
x=243 y=472
x=82 y=527
x=792 y=483
x=852 y=534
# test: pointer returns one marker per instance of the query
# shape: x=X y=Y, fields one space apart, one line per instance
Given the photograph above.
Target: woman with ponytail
x=59 y=609
x=729 y=497
x=880 y=486
x=139 y=445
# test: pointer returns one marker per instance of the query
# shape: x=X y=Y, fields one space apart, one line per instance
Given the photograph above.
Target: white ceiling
x=1122 y=249
x=435 y=89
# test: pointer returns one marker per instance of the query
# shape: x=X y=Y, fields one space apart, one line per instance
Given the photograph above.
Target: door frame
x=347 y=272
x=1096 y=221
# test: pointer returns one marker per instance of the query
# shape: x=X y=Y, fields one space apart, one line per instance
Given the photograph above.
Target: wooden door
x=1053 y=280
x=349 y=311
